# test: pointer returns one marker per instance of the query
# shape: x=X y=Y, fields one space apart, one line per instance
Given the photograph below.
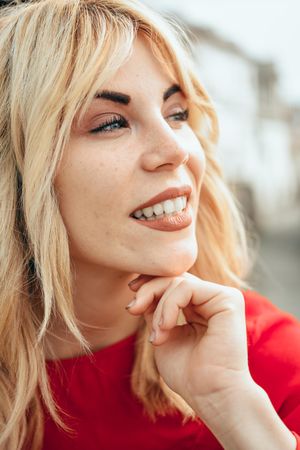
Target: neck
x=99 y=299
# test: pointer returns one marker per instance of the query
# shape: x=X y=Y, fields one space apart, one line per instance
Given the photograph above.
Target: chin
x=172 y=266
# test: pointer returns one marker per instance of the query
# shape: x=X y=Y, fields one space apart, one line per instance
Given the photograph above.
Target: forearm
x=245 y=420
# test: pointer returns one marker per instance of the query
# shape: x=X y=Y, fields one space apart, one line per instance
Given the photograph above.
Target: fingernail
x=152 y=336
x=132 y=303
x=133 y=282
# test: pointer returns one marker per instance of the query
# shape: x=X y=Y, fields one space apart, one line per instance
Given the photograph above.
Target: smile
x=161 y=209
x=168 y=211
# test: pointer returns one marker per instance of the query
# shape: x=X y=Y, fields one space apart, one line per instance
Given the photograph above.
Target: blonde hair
x=53 y=55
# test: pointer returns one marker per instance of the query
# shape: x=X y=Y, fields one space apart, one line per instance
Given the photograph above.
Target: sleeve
x=297 y=440
x=274 y=357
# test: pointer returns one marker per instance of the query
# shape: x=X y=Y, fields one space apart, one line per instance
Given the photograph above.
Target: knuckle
x=142 y=291
x=238 y=297
x=184 y=283
x=236 y=300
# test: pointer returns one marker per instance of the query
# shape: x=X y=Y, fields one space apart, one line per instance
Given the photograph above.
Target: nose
x=164 y=149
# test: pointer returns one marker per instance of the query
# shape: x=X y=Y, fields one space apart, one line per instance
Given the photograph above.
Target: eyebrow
x=115 y=97
x=124 y=99
x=171 y=90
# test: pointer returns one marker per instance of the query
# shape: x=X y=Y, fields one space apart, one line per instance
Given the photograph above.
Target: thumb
x=148 y=316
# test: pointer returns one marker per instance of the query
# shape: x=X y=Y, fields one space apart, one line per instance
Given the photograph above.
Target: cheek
x=89 y=184
x=197 y=160
x=84 y=196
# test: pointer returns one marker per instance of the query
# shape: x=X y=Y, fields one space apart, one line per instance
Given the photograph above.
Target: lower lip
x=174 y=222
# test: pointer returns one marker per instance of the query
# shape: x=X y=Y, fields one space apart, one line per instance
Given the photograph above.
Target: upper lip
x=169 y=193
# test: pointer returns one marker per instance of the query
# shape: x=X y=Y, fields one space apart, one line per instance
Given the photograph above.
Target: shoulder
x=266 y=321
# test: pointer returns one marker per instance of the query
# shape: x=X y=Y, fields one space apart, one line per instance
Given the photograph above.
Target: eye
x=180 y=116
x=111 y=124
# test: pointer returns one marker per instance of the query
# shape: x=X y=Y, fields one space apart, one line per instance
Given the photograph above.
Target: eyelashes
x=111 y=124
x=116 y=122
x=181 y=116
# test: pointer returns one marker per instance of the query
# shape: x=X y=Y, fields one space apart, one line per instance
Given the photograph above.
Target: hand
x=208 y=355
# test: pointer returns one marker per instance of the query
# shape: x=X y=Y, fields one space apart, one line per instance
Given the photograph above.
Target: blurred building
x=258 y=141
x=295 y=128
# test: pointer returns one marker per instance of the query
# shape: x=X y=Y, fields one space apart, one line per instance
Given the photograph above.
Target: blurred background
x=247 y=57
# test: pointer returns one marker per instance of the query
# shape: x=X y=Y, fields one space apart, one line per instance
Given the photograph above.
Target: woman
x=117 y=228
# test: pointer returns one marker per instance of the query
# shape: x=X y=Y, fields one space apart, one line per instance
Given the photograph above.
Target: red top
x=95 y=390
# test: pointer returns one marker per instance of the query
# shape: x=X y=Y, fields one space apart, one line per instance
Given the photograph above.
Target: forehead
x=141 y=72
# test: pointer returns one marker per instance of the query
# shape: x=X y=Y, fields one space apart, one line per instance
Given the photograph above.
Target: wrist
x=243 y=418
x=224 y=402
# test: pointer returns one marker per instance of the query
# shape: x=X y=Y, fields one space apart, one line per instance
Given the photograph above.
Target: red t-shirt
x=95 y=391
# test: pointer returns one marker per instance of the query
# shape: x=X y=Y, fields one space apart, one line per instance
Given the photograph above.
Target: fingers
x=135 y=284
x=166 y=315
x=161 y=299
x=151 y=293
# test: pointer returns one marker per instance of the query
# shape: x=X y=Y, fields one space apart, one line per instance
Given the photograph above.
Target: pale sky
x=265 y=29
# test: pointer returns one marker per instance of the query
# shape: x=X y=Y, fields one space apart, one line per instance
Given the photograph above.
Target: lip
x=169 y=193
x=170 y=222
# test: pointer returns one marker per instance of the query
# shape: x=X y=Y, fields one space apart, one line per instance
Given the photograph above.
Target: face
x=130 y=146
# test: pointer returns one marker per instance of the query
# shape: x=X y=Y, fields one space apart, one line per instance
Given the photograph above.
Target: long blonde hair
x=53 y=55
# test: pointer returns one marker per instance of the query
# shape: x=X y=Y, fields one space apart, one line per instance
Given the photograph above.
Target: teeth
x=167 y=207
x=148 y=212
x=154 y=217
x=138 y=214
x=158 y=209
x=179 y=203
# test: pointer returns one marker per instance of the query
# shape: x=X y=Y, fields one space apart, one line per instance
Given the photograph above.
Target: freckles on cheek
x=94 y=178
